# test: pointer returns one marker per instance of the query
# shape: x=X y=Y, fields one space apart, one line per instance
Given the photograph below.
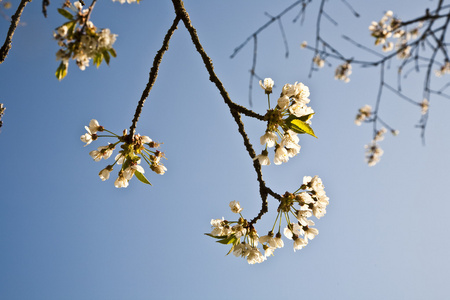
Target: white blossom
x=254 y=256
x=288 y=233
x=267 y=85
x=62 y=31
x=373 y=153
x=270 y=138
x=104 y=174
x=424 y=105
x=363 y=114
x=343 y=72
x=379 y=136
x=235 y=206
x=121 y=181
x=101 y=152
x=318 y=61
x=158 y=169
x=78 y=5
x=300 y=109
x=145 y=139
x=445 y=69
x=302 y=216
x=310 y=233
x=300 y=243
x=281 y=156
x=129 y=172
x=278 y=241
x=263 y=158
x=268 y=239
x=86 y=138
x=290 y=140
x=283 y=102
x=220 y=227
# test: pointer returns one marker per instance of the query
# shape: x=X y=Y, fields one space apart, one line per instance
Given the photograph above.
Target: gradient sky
x=65 y=234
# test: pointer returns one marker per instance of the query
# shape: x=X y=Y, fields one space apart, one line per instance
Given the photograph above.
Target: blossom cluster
x=390 y=26
x=373 y=150
x=80 y=40
x=289 y=118
x=310 y=200
x=133 y=150
x=445 y=69
x=363 y=114
x=425 y=104
x=373 y=153
x=343 y=72
x=318 y=61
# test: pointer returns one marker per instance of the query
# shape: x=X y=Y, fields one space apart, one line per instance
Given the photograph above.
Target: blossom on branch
x=425 y=104
x=289 y=118
x=363 y=114
x=373 y=153
x=310 y=199
x=343 y=72
x=80 y=40
x=267 y=85
x=134 y=150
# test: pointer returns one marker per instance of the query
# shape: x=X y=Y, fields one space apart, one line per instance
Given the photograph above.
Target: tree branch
x=263 y=189
x=152 y=76
x=14 y=22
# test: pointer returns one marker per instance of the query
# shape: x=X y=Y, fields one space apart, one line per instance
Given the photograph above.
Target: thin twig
x=238 y=48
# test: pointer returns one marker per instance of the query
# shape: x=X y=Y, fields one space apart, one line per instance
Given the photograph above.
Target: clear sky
x=65 y=234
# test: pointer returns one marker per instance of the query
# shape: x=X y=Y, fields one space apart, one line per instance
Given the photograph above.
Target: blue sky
x=65 y=234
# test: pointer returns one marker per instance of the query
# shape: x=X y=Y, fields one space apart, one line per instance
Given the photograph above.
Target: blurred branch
x=45 y=4
x=419 y=49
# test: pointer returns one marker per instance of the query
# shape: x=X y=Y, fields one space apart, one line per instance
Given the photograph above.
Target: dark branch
x=45 y=4
x=263 y=189
x=14 y=22
x=153 y=74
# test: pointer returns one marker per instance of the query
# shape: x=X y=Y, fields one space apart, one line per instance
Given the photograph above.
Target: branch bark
x=14 y=22
x=234 y=108
x=153 y=74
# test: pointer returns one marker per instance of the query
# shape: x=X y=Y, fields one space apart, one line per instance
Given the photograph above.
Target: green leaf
x=216 y=236
x=112 y=52
x=126 y=163
x=305 y=117
x=231 y=250
x=65 y=13
x=300 y=127
x=302 y=118
x=98 y=59
x=61 y=71
x=141 y=177
x=70 y=28
x=229 y=240
x=107 y=57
